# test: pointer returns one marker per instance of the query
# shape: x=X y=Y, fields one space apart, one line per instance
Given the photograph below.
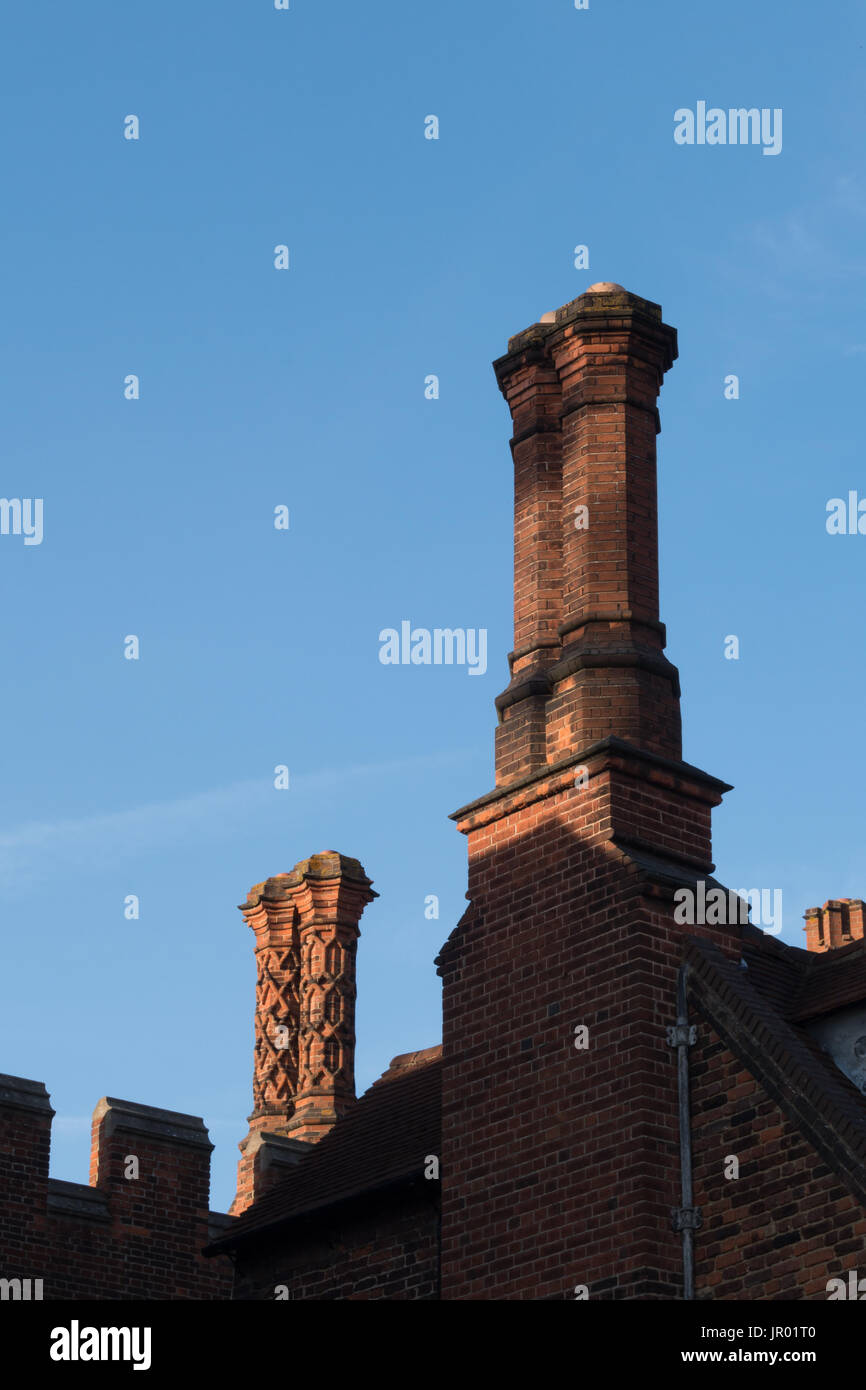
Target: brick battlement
x=136 y=1231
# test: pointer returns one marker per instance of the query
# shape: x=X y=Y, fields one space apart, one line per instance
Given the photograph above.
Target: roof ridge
x=406 y=1061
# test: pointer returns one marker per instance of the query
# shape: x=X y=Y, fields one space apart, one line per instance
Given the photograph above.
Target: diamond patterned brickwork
x=306 y=929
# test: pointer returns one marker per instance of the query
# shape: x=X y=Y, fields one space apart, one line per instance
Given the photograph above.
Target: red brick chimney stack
x=588 y=657
x=837 y=923
x=306 y=928
x=559 y=1125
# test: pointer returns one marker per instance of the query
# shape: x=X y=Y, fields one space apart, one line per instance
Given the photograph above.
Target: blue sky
x=306 y=388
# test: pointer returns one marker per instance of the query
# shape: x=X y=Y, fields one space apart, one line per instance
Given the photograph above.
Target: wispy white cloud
x=809 y=247
x=113 y=836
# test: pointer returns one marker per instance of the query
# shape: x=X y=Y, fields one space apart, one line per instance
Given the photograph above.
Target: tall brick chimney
x=306 y=929
x=838 y=923
x=554 y=1139
x=588 y=657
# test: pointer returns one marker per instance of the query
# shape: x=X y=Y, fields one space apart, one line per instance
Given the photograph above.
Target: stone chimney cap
x=329 y=864
x=603 y=300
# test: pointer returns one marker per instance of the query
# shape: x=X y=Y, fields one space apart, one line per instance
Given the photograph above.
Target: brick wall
x=560 y=1166
x=378 y=1247
x=120 y=1237
x=787 y=1224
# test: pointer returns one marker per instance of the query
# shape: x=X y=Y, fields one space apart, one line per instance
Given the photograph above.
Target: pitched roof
x=758 y=1013
x=805 y=984
x=833 y=980
x=382 y=1140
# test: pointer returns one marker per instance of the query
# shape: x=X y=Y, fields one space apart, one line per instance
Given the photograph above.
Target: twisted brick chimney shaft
x=306 y=928
x=588 y=658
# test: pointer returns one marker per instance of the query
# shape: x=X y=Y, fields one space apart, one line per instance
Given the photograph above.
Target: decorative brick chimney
x=588 y=657
x=837 y=923
x=574 y=857
x=306 y=928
